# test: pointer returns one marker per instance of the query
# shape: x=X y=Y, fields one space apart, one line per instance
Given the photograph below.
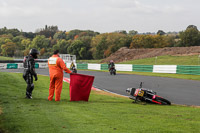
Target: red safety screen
x=80 y=87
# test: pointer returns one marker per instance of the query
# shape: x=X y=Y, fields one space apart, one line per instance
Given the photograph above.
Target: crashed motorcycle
x=146 y=95
x=112 y=71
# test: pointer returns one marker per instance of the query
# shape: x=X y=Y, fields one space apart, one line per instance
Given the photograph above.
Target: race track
x=178 y=91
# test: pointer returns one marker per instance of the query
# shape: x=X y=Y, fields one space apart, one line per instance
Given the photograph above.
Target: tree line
x=87 y=44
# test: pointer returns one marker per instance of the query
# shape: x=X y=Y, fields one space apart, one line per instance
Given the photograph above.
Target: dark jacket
x=29 y=66
x=111 y=65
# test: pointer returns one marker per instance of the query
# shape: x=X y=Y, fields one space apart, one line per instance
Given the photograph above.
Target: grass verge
x=167 y=75
x=103 y=113
x=167 y=60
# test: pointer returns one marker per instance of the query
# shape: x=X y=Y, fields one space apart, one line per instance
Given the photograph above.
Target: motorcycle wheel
x=163 y=101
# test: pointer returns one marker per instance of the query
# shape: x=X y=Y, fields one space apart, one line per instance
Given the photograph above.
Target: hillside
x=126 y=54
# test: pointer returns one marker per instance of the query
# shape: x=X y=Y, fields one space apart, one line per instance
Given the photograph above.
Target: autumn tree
x=150 y=41
x=25 y=43
x=8 y=49
x=105 y=44
x=74 y=34
x=42 y=51
x=114 y=41
x=98 y=45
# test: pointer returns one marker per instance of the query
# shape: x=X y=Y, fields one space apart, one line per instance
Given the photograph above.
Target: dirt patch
x=125 y=54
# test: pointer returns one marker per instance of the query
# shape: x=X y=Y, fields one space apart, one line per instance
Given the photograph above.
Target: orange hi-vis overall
x=56 y=68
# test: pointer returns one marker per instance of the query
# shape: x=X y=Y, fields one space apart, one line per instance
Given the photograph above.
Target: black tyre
x=163 y=101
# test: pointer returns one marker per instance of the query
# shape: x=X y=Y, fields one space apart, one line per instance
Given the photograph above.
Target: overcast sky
x=100 y=15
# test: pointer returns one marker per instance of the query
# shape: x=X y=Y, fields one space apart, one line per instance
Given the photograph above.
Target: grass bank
x=167 y=60
x=103 y=113
x=5 y=58
x=160 y=60
x=88 y=61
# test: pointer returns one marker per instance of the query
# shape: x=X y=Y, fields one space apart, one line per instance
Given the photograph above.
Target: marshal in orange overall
x=56 y=68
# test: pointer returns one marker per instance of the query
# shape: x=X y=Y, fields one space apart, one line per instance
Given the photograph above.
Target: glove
x=36 y=78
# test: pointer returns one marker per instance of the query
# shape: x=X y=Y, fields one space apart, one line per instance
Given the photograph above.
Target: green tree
x=40 y=42
x=94 y=43
x=76 y=48
x=72 y=34
x=161 y=32
x=83 y=53
x=99 y=54
x=62 y=46
x=59 y=35
x=18 y=40
x=192 y=26
x=121 y=31
x=132 y=32
x=48 y=31
x=87 y=46
x=115 y=41
x=190 y=37
x=29 y=35
x=13 y=32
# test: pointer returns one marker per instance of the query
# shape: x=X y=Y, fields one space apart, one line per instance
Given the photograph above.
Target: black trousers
x=28 y=77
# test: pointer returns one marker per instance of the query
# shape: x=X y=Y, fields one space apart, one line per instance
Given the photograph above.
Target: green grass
x=167 y=60
x=5 y=58
x=88 y=61
x=168 y=75
x=102 y=114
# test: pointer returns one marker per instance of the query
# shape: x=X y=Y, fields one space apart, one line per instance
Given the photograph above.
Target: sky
x=100 y=15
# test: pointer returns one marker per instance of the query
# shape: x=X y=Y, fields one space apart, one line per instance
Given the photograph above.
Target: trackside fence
x=193 y=70
x=142 y=68
x=178 y=69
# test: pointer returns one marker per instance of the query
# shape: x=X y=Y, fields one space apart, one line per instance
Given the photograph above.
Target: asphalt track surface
x=178 y=91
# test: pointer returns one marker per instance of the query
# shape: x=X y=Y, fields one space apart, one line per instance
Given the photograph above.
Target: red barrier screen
x=80 y=87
